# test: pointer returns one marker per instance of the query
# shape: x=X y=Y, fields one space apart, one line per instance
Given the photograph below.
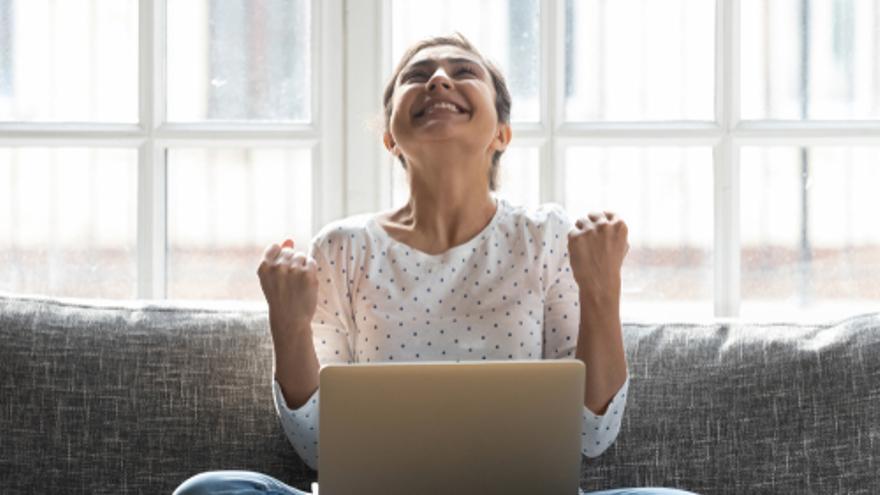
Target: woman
x=455 y=274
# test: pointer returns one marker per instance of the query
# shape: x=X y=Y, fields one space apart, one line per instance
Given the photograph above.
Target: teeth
x=442 y=104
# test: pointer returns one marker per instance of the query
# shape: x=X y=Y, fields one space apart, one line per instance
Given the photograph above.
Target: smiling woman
x=470 y=66
x=455 y=274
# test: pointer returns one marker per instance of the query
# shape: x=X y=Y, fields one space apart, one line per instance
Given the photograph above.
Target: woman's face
x=444 y=93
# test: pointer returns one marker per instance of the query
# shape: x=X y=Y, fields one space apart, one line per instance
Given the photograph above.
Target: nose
x=439 y=79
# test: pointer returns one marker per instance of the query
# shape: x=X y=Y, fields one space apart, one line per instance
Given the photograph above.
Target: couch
x=108 y=397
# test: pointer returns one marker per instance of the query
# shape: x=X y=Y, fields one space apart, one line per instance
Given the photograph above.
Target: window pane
x=68 y=222
x=239 y=60
x=75 y=60
x=505 y=32
x=810 y=234
x=810 y=60
x=224 y=207
x=665 y=196
x=631 y=60
x=519 y=178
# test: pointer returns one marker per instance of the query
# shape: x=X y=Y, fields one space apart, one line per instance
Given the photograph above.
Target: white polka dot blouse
x=507 y=293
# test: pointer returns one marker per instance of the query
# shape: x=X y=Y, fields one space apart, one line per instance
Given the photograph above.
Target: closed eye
x=413 y=75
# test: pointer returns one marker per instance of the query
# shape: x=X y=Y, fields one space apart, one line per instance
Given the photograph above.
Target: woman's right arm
x=290 y=283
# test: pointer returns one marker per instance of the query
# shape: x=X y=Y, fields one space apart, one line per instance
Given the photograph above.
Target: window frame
x=726 y=134
x=152 y=135
x=353 y=38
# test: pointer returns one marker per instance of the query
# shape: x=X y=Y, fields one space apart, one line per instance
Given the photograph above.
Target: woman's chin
x=439 y=130
x=442 y=124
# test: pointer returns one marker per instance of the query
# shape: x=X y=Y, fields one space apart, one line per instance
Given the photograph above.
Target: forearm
x=296 y=364
x=600 y=347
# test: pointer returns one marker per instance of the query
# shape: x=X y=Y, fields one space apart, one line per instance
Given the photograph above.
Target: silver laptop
x=488 y=427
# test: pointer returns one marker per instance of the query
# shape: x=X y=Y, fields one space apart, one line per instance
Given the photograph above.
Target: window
x=7 y=51
x=153 y=149
x=673 y=114
x=70 y=61
x=738 y=139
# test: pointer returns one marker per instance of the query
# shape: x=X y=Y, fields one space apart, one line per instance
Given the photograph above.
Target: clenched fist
x=290 y=283
x=596 y=248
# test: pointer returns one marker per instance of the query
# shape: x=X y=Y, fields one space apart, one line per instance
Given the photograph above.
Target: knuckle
x=271 y=251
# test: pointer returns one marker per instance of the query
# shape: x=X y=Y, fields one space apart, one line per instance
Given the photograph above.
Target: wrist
x=283 y=316
x=599 y=311
x=598 y=298
x=289 y=326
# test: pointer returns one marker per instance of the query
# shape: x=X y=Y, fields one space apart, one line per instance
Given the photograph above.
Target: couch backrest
x=746 y=408
x=128 y=399
x=134 y=398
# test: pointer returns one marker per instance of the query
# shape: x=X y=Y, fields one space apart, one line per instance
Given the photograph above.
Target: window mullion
x=726 y=159
x=328 y=177
x=151 y=218
x=552 y=83
x=364 y=168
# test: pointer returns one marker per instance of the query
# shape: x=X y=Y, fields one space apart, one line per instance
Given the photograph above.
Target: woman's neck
x=445 y=209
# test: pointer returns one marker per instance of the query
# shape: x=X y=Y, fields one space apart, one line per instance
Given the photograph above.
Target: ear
x=390 y=144
x=503 y=135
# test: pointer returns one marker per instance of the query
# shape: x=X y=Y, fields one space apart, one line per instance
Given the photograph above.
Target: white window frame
x=153 y=135
x=351 y=170
x=368 y=30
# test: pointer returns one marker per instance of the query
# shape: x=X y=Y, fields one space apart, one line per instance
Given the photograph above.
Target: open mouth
x=440 y=106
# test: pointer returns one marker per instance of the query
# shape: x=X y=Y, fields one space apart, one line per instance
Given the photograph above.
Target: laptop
x=488 y=427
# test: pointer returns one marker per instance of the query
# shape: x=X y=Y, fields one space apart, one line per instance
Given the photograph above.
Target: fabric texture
x=134 y=398
x=506 y=294
x=750 y=408
x=100 y=397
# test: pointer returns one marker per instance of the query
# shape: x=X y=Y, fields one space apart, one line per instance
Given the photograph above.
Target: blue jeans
x=251 y=483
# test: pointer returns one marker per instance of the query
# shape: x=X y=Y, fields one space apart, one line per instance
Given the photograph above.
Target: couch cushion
x=747 y=408
x=134 y=398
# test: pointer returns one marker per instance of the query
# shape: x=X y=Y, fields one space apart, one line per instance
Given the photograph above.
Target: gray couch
x=134 y=398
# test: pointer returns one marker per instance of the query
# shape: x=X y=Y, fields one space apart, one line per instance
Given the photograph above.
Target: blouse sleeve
x=561 y=323
x=332 y=336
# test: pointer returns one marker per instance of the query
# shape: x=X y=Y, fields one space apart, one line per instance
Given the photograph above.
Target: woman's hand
x=596 y=247
x=290 y=283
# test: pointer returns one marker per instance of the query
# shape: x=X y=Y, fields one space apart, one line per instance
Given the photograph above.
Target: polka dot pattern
x=599 y=432
x=506 y=294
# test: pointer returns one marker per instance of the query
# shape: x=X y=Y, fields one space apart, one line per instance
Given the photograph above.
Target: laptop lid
x=439 y=427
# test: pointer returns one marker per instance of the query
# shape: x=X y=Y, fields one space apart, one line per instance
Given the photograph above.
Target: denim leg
x=641 y=491
x=234 y=483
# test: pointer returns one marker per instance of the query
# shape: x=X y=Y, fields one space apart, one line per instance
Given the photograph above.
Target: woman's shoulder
x=551 y=216
x=343 y=231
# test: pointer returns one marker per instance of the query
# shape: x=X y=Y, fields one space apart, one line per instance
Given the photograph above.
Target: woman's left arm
x=597 y=246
